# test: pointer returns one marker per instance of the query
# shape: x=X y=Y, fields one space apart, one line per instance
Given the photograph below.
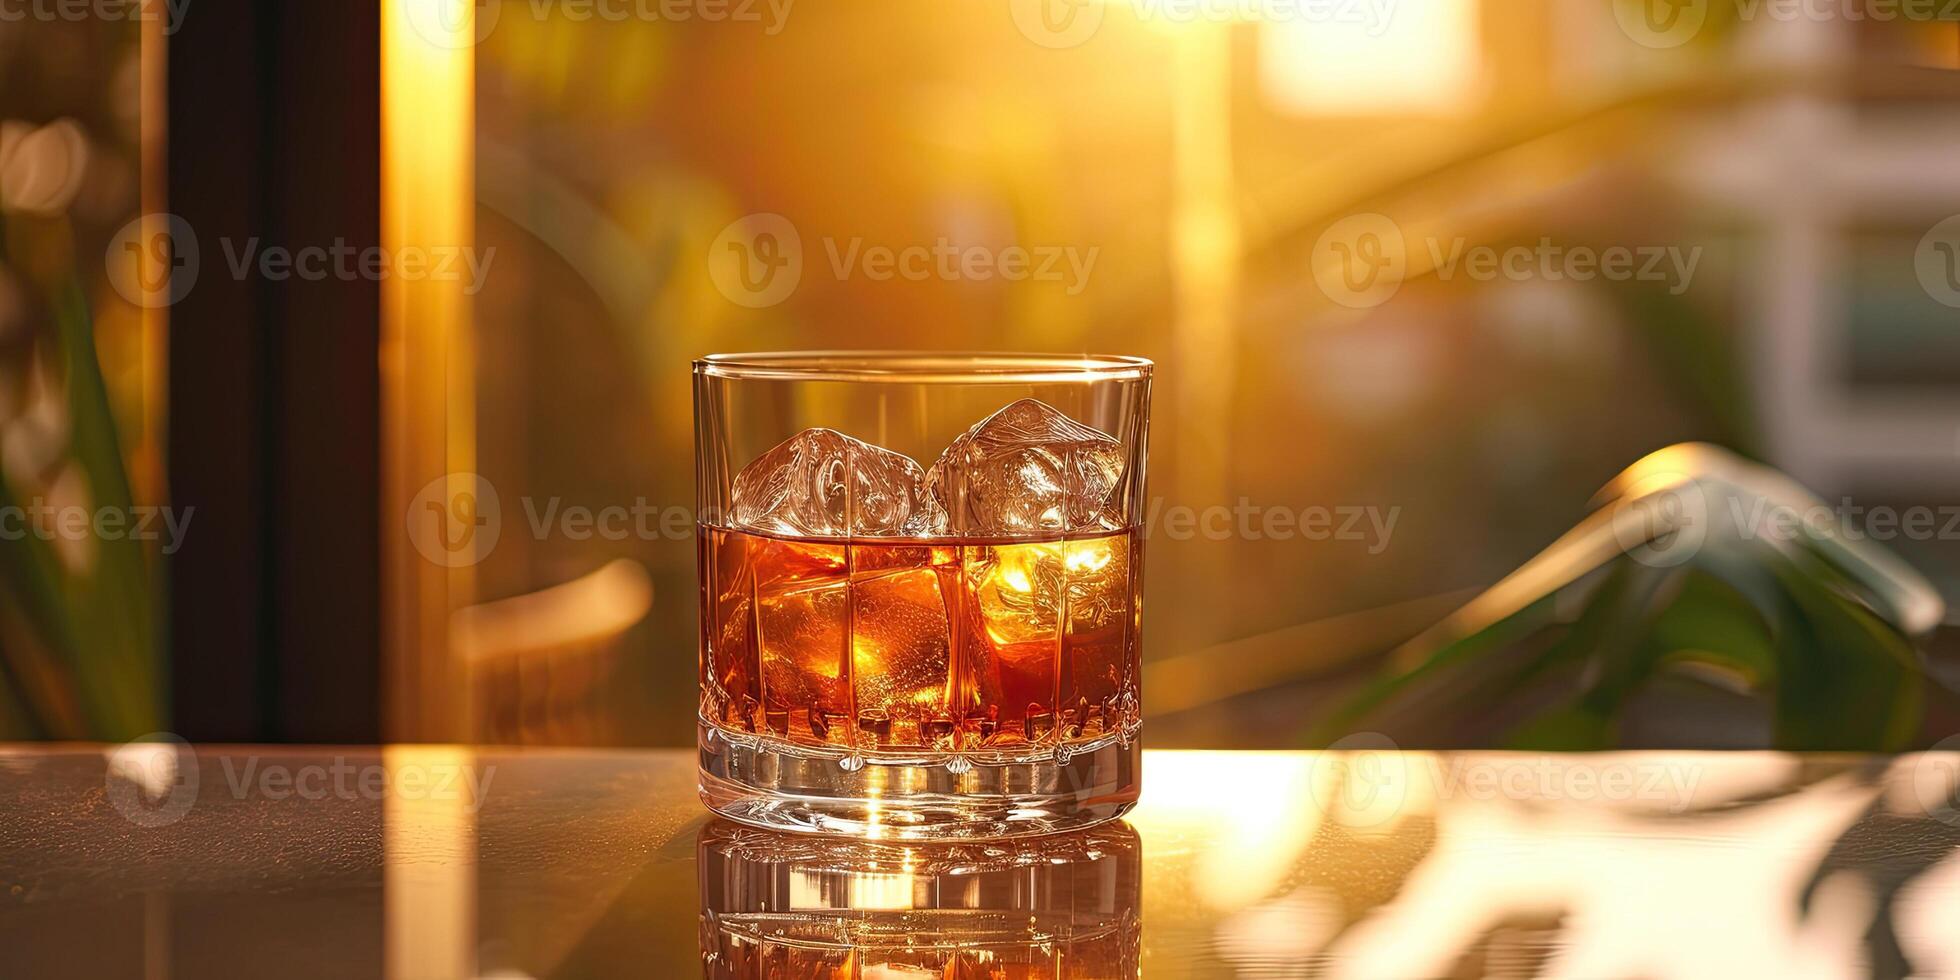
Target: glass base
x=766 y=783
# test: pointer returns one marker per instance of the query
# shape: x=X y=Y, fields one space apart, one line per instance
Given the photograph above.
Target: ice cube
x=881 y=628
x=1048 y=627
x=1029 y=468
x=824 y=483
x=801 y=639
x=901 y=643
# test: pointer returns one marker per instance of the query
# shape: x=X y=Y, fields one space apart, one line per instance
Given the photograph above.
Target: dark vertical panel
x=274 y=142
x=216 y=383
x=326 y=158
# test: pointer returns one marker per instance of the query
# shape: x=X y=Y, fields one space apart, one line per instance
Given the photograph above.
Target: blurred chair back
x=539 y=664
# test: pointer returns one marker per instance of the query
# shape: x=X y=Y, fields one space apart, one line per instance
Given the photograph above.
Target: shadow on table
x=1652 y=865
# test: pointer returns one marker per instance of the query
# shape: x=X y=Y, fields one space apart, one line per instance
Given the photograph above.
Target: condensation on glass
x=921 y=590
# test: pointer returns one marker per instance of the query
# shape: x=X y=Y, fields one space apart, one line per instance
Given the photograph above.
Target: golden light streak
x=427 y=375
x=429 y=873
x=153 y=114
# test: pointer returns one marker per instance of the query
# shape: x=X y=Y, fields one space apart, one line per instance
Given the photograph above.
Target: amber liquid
x=878 y=644
x=1062 y=906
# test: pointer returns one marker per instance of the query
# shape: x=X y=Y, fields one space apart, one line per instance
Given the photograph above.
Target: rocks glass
x=921 y=590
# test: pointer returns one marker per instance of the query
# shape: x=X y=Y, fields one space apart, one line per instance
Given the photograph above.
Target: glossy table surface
x=166 y=861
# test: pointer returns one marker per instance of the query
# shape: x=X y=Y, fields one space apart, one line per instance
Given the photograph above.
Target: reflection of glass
x=782 y=905
x=920 y=650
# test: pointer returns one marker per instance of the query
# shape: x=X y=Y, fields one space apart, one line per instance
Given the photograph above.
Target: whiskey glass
x=797 y=905
x=921 y=590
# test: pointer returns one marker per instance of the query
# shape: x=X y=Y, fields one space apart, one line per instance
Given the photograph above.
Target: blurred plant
x=78 y=636
x=1557 y=654
x=1679 y=571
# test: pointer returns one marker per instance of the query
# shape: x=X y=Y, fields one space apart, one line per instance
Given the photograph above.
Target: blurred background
x=1282 y=204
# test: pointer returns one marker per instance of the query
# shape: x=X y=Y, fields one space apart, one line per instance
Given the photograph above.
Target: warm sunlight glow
x=428 y=200
x=429 y=845
x=1261 y=804
x=1418 y=57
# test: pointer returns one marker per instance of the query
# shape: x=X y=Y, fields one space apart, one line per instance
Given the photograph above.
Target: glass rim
x=916 y=367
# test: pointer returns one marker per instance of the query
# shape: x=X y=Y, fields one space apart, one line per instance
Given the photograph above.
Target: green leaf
x=113 y=605
x=1712 y=622
x=1846 y=680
